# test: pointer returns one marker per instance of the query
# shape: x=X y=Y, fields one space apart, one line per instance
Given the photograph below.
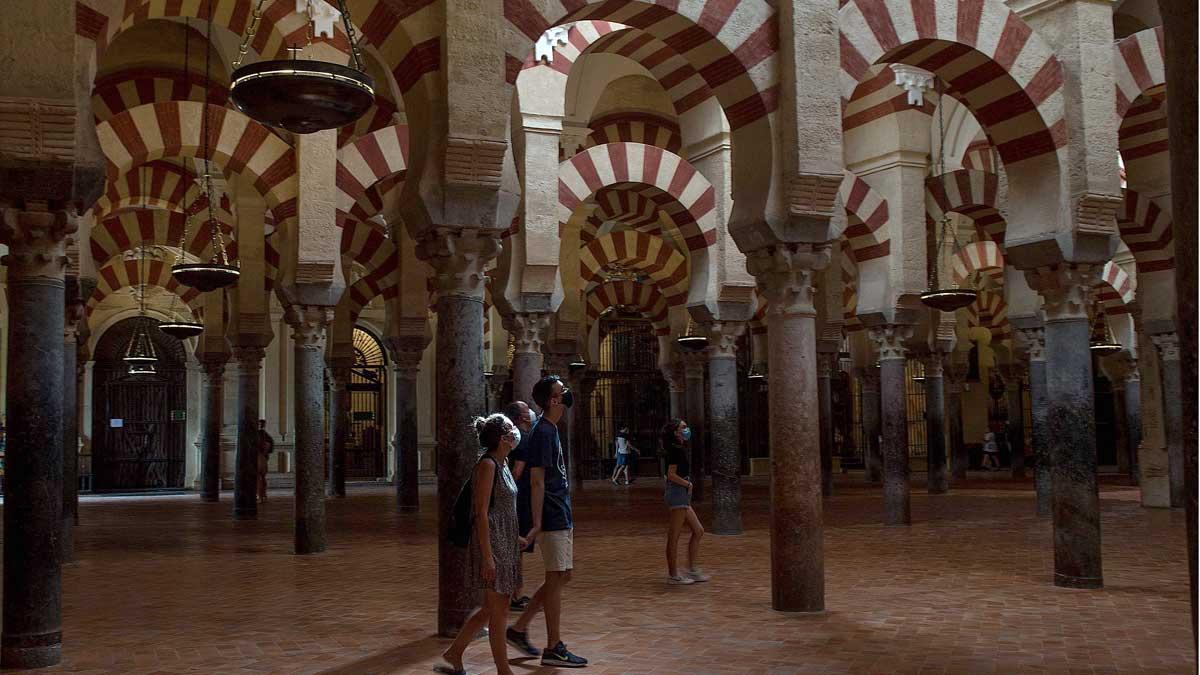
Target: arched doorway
x=366 y=444
x=138 y=421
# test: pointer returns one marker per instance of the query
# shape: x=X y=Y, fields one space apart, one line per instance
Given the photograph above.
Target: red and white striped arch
x=237 y=144
x=983 y=257
x=849 y=272
x=981 y=156
x=615 y=164
x=1146 y=229
x=580 y=35
x=629 y=207
x=382 y=281
x=990 y=58
x=647 y=299
x=635 y=127
x=126 y=230
x=1141 y=97
x=1116 y=290
x=131 y=87
x=877 y=97
x=868 y=212
x=990 y=311
x=118 y=274
x=630 y=249
x=361 y=165
x=157 y=184
x=970 y=193
x=367 y=244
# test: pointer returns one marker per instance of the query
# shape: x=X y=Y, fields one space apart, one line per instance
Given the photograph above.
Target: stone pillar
x=406 y=352
x=1167 y=345
x=826 y=365
x=310 y=324
x=529 y=332
x=1070 y=422
x=245 y=478
x=70 y=393
x=339 y=424
x=459 y=257
x=1133 y=416
x=33 y=490
x=872 y=459
x=1016 y=418
x=935 y=424
x=785 y=275
x=893 y=403
x=1124 y=460
x=960 y=461
x=211 y=405
x=1034 y=339
x=726 y=440
x=693 y=368
x=677 y=385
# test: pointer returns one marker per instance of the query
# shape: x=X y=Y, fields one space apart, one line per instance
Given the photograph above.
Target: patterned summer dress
x=502 y=527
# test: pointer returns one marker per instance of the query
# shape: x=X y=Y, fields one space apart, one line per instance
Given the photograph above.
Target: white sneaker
x=680 y=580
x=697 y=576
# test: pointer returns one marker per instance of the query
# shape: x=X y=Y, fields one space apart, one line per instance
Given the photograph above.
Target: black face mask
x=568 y=398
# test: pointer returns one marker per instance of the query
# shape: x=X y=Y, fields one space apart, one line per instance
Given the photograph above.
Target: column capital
x=889 y=340
x=309 y=325
x=37 y=239
x=1134 y=375
x=935 y=364
x=827 y=364
x=1167 y=345
x=74 y=309
x=722 y=338
x=1066 y=290
x=673 y=374
x=459 y=257
x=785 y=275
x=693 y=365
x=406 y=352
x=529 y=330
x=213 y=363
x=249 y=356
x=1033 y=342
x=338 y=370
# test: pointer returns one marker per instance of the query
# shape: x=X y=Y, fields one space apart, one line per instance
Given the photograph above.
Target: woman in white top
x=991 y=459
x=625 y=450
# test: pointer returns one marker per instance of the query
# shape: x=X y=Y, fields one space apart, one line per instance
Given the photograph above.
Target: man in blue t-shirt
x=549 y=499
x=522 y=416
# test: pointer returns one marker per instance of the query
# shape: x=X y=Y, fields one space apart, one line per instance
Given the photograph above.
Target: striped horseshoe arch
x=361 y=165
x=990 y=311
x=868 y=212
x=118 y=274
x=1146 y=229
x=1115 y=291
x=158 y=184
x=989 y=57
x=647 y=299
x=984 y=257
x=970 y=193
x=628 y=207
x=380 y=282
x=366 y=243
x=636 y=127
x=849 y=270
x=631 y=249
x=125 y=230
x=1141 y=95
x=131 y=87
x=237 y=144
x=614 y=164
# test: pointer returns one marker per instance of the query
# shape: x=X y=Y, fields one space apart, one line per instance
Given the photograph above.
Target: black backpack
x=462 y=520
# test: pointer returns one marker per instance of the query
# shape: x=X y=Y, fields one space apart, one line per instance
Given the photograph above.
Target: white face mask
x=514 y=436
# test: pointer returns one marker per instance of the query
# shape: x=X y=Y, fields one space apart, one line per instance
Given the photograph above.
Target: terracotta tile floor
x=172 y=585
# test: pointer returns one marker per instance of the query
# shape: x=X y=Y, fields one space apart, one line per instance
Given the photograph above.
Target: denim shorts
x=622 y=459
x=677 y=496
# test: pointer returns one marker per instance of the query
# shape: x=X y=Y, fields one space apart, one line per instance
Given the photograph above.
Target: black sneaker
x=521 y=641
x=559 y=657
x=519 y=604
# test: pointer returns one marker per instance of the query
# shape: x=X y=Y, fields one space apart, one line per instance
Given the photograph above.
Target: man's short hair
x=544 y=389
x=515 y=411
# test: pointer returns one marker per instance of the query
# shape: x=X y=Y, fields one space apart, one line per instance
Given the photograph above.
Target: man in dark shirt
x=550 y=513
x=522 y=416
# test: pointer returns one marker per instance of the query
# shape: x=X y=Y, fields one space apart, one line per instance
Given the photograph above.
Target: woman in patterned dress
x=495 y=547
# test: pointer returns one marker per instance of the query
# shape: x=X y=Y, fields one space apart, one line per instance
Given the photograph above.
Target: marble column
x=1133 y=416
x=785 y=275
x=826 y=364
x=1016 y=418
x=693 y=368
x=339 y=425
x=726 y=437
x=406 y=352
x=245 y=478
x=211 y=404
x=1034 y=339
x=529 y=331
x=893 y=402
x=33 y=490
x=960 y=460
x=1167 y=345
x=872 y=459
x=459 y=258
x=1070 y=422
x=310 y=329
x=70 y=394
x=935 y=424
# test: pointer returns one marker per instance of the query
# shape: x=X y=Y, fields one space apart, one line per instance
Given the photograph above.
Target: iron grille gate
x=366 y=440
x=915 y=388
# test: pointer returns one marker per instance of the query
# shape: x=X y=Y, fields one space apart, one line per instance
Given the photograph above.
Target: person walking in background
x=495 y=544
x=991 y=452
x=678 y=495
x=522 y=416
x=624 y=456
x=266 y=445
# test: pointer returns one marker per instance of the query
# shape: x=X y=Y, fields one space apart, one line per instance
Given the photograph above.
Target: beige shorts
x=558 y=550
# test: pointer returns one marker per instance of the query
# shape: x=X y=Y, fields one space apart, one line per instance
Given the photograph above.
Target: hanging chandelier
x=180 y=329
x=141 y=349
x=1106 y=344
x=691 y=340
x=302 y=95
x=948 y=298
x=576 y=364
x=142 y=369
x=217 y=272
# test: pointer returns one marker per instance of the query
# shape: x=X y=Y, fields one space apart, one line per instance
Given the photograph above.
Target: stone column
x=893 y=403
x=960 y=461
x=726 y=440
x=211 y=405
x=1133 y=416
x=693 y=368
x=677 y=385
x=529 y=332
x=1124 y=461
x=1034 y=339
x=245 y=478
x=1167 y=345
x=872 y=459
x=339 y=424
x=33 y=489
x=826 y=364
x=70 y=394
x=459 y=257
x=310 y=324
x=785 y=275
x=1070 y=423
x=406 y=352
x=1016 y=418
x=935 y=424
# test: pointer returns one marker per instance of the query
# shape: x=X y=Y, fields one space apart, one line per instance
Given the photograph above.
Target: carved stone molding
x=1066 y=289
x=249 y=357
x=813 y=194
x=475 y=161
x=459 y=257
x=889 y=340
x=1097 y=213
x=213 y=365
x=722 y=338
x=309 y=324
x=529 y=331
x=826 y=364
x=37 y=239
x=406 y=352
x=1167 y=345
x=38 y=129
x=1033 y=342
x=785 y=275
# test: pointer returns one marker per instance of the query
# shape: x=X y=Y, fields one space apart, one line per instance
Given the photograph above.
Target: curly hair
x=491 y=429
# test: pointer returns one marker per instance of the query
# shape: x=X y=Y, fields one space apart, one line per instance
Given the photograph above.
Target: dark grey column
x=33 y=490
x=339 y=425
x=1133 y=416
x=406 y=352
x=1172 y=383
x=1124 y=461
x=70 y=503
x=245 y=480
x=935 y=424
x=723 y=409
x=893 y=403
x=211 y=405
x=872 y=458
x=529 y=332
x=826 y=363
x=960 y=461
x=1016 y=418
x=459 y=258
x=310 y=324
x=676 y=384
x=1071 y=423
x=1034 y=340
x=785 y=275
x=694 y=372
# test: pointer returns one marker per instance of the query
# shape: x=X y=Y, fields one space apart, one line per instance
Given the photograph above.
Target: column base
x=809 y=611
x=1070 y=581
x=31 y=651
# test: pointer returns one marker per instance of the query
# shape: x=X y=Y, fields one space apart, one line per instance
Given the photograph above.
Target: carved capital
x=813 y=194
x=529 y=331
x=785 y=275
x=37 y=239
x=459 y=258
x=1033 y=342
x=673 y=374
x=827 y=364
x=249 y=357
x=213 y=364
x=309 y=324
x=406 y=352
x=889 y=340
x=722 y=338
x=338 y=372
x=1167 y=345
x=1066 y=289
